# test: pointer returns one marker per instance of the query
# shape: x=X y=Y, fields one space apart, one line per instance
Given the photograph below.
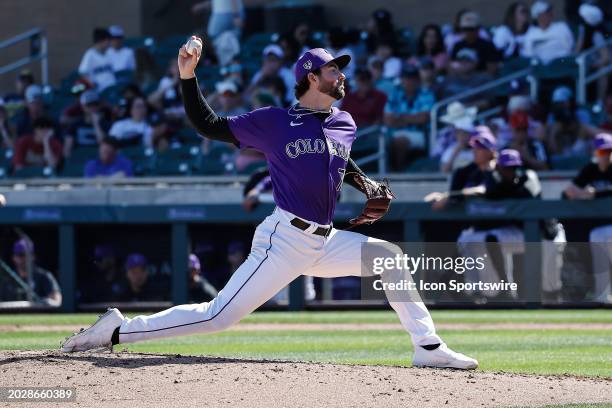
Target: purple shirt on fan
x=95 y=168
x=307 y=158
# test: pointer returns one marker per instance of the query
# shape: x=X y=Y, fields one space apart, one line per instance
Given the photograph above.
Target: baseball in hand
x=2 y=200
x=192 y=45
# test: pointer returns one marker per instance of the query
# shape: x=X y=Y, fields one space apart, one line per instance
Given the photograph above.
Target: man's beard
x=336 y=92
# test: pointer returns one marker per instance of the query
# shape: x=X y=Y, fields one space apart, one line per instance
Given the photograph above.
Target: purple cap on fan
x=316 y=58
x=135 y=260
x=23 y=246
x=509 y=158
x=602 y=141
x=483 y=137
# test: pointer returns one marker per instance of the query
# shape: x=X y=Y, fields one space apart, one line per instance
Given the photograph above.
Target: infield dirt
x=133 y=380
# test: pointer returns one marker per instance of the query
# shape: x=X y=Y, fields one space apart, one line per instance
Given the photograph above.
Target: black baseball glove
x=378 y=195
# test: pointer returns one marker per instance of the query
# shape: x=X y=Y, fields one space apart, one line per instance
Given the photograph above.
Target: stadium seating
x=558 y=68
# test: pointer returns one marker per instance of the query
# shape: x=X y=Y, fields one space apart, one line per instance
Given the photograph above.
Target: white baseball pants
x=601 y=251
x=279 y=254
x=512 y=241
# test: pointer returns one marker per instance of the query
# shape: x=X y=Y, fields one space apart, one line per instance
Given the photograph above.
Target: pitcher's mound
x=175 y=381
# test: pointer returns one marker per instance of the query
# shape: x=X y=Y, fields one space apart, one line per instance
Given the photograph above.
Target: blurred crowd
x=123 y=107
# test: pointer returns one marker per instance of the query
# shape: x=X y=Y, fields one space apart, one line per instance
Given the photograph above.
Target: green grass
x=381 y=316
x=585 y=352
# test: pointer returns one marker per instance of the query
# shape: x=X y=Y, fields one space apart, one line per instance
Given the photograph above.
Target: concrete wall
x=69 y=22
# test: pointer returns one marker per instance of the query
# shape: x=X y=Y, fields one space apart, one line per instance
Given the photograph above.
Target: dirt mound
x=136 y=379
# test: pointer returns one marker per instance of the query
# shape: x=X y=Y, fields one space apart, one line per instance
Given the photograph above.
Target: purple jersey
x=306 y=157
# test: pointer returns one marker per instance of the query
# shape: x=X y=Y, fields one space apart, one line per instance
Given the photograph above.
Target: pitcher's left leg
x=342 y=257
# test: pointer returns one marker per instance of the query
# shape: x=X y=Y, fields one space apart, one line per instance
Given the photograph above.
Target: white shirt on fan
x=97 y=68
x=507 y=42
x=128 y=129
x=555 y=42
x=226 y=6
x=122 y=59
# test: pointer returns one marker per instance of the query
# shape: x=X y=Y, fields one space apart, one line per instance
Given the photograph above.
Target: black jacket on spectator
x=591 y=175
x=485 y=50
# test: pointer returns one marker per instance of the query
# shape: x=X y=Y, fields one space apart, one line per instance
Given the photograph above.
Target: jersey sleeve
x=253 y=129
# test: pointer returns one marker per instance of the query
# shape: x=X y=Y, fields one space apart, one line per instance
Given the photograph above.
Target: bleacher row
x=188 y=158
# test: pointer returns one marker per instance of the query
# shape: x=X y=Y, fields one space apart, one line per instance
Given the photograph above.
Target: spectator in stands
x=431 y=44
x=456 y=34
x=225 y=15
x=200 y=290
x=458 y=152
x=6 y=138
x=229 y=99
x=121 y=57
x=456 y=113
x=532 y=151
x=16 y=100
x=232 y=72
x=137 y=287
x=110 y=163
x=135 y=129
x=607 y=123
x=406 y=113
x=547 y=40
x=96 y=65
x=34 y=108
x=502 y=128
x=591 y=33
x=91 y=127
x=380 y=29
x=469 y=180
x=568 y=134
x=272 y=66
x=429 y=79
x=102 y=284
x=508 y=38
x=592 y=182
x=74 y=111
x=337 y=44
x=365 y=103
x=385 y=85
x=296 y=42
x=43 y=284
x=463 y=75
x=392 y=66
x=276 y=87
x=167 y=97
x=39 y=149
x=487 y=57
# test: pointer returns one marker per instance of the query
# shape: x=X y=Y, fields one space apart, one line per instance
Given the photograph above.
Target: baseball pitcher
x=307 y=147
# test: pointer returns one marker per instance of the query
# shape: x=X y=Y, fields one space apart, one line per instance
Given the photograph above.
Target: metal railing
x=38 y=52
x=381 y=154
x=435 y=110
x=583 y=79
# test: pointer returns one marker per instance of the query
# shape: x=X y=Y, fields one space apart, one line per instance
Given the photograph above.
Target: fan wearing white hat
x=458 y=153
x=122 y=57
x=547 y=40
